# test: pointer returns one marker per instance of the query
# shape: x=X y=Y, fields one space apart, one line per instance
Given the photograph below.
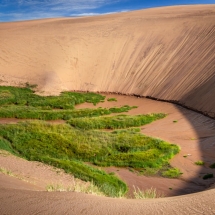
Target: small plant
x=112 y=99
x=6 y=171
x=30 y=86
x=146 y=194
x=212 y=166
x=170 y=188
x=131 y=170
x=56 y=187
x=172 y=173
x=89 y=188
x=111 y=173
x=207 y=176
x=175 y=121
x=200 y=163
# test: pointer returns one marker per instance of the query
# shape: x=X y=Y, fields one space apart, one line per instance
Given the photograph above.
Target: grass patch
x=29 y=112
x=6 y=171
x=57 y=187
x=5 y=145
x=65 y=147
x=112 y=100
x=128 y=130
x=146 y=194
x=25 y=96
x=70 y=146
x=212 y=166
x=200 y=163
x=172 y=173
x=115 y=122
x=207 y=176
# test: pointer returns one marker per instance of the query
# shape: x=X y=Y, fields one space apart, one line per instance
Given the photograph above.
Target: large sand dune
x=165 y=53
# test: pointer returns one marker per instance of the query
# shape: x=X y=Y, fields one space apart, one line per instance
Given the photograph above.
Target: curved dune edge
x=165 y=53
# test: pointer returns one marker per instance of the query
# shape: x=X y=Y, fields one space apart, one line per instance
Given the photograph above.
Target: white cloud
x=97 y=14
x=61 y=4
x=36 y=9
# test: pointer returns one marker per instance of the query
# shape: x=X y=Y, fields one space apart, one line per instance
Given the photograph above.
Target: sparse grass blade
x=150 y=193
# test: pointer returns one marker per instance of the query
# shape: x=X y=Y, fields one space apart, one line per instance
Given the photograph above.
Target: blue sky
x=15 y=10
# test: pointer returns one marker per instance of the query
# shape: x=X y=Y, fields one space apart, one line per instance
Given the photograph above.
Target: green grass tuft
x=146 y=194
x=200 y=163
x=212 y=166
x=207 y=176
x=172 y=173
x=112 y=100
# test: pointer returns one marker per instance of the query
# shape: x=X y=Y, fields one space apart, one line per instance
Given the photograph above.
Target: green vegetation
x=29 y=112
x=77 y=146
x=65 y=147
x=5 y=145
x=89 y=188
x=175 y=121
x=26 y=96
x=112 y=99
x=115 y=122
x=200 y=163
x=172 y=173
x=5 y=171
x=146 y=194
x=207 y=176
x=212 y=166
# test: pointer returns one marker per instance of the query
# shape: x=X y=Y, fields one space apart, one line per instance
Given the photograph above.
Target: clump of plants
x=27 y=97
x=172 y=173
x=207 y=176
x=200 y=163
x=212 y=166
x=114 y=122
x=29 y=112
x=112 y=99
x=150 y=193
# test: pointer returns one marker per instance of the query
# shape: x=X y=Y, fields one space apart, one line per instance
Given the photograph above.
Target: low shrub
x=212 y=166
x=200 y=163
x=172 y=173
x=207 y=176
x=112 y=99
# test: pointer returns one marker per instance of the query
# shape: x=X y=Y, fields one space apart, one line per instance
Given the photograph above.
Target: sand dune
x=165 y=53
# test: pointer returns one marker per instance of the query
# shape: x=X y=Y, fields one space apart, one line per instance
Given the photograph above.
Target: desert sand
x=164 y=53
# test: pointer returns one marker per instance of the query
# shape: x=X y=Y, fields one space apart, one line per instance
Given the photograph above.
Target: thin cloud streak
x=37 y=9
x=39 y=15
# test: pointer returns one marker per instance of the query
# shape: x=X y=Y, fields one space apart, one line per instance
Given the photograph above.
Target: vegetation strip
x=114 y=122
x=75 y=146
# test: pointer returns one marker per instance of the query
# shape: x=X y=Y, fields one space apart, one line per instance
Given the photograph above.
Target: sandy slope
x=167 y=53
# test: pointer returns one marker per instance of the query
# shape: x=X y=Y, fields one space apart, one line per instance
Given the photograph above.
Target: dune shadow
x=201 y=100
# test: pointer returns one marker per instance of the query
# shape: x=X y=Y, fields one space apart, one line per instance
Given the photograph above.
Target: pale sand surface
x=166 y=53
